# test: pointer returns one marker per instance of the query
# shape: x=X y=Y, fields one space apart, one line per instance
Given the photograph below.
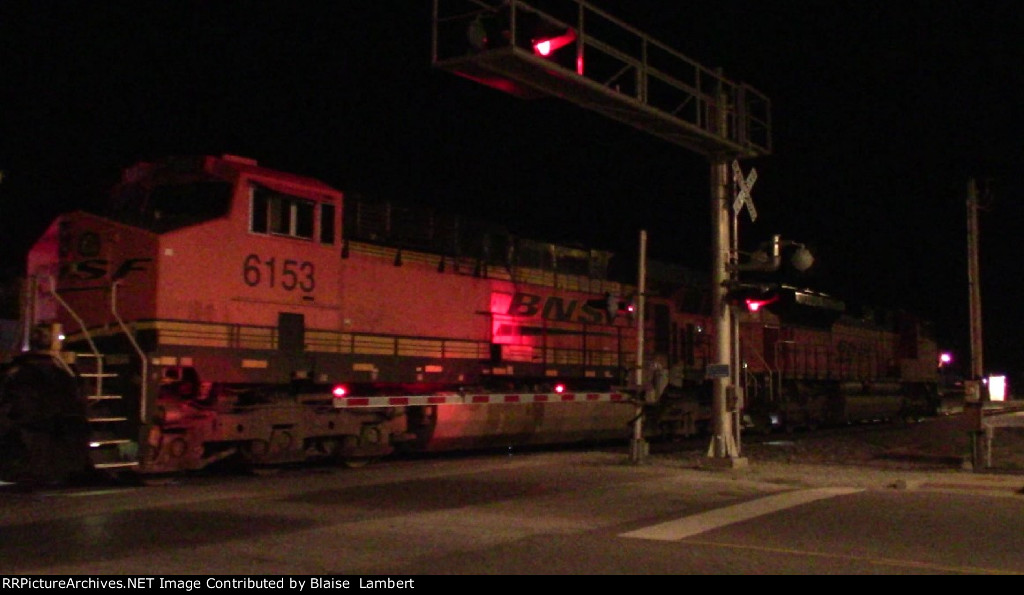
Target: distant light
x=339 y=391
x=945 y=358
x=559 y=388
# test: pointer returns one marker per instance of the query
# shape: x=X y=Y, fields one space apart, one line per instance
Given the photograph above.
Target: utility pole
x=973 y=282
x=974 y=388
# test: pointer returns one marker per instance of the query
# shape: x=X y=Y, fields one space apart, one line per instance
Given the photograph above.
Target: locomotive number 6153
x=289 y=273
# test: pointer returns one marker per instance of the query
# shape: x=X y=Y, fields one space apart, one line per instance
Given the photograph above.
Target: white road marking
x=713 y=519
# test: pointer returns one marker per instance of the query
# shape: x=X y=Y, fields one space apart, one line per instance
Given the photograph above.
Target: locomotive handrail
x=138 y=350
x=85 y=332
x=771 y=375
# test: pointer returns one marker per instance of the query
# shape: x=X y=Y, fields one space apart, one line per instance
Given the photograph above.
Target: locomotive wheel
x=39 y=458
x=43 y=428
x=349 y=443
x=15 y=465
x=251 y=454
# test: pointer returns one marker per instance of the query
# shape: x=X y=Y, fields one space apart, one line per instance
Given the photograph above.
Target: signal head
x=547 y=45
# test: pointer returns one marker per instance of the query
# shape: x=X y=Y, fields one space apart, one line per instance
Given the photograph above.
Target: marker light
x=339 y=391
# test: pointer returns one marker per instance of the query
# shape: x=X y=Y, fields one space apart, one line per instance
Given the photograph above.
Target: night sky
x=882 y=112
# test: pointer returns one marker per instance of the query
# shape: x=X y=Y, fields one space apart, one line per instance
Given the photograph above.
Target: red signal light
x=545 y=46
x=559 y=388
x=340 y=391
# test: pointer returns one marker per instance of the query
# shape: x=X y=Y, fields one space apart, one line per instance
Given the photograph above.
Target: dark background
x=882 y=112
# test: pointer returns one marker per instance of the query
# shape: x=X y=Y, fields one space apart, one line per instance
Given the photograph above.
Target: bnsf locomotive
x=223 y=310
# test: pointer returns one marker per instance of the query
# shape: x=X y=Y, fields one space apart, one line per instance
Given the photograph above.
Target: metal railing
x=604 y=65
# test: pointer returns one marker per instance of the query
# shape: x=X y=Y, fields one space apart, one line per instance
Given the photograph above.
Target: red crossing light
x=752 y=297
x=753 y=305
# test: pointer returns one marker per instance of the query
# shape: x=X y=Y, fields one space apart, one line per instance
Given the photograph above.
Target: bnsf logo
x=97 y=268
x=556 y=308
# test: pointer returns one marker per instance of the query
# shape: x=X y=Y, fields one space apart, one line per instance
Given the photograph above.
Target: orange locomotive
x=810 y=361
x=225 y=310
x=220 y=311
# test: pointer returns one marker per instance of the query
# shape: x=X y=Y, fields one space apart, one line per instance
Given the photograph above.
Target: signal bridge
x=580 y=53
x=574 y=51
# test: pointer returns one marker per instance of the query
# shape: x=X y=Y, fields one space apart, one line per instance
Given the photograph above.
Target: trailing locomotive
x=226 y=310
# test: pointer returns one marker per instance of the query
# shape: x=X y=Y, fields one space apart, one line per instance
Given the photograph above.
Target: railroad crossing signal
x=745 y=185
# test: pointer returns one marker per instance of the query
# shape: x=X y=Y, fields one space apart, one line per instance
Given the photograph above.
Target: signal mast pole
x=722 y=445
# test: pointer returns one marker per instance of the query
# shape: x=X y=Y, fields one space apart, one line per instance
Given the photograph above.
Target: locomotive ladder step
x=105 y=397
x=118 y=465
x=109 y=442
x=109 y=449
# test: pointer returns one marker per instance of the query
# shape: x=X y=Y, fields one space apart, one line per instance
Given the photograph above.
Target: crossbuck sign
x=743 y=196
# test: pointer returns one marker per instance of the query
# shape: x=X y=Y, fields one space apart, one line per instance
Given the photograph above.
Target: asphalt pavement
x=946 y=452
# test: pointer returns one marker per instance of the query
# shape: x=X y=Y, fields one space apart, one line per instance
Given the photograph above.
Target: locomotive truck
x=221 y=310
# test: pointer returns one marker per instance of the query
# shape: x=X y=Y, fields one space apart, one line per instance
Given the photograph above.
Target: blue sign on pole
x=717 y=371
